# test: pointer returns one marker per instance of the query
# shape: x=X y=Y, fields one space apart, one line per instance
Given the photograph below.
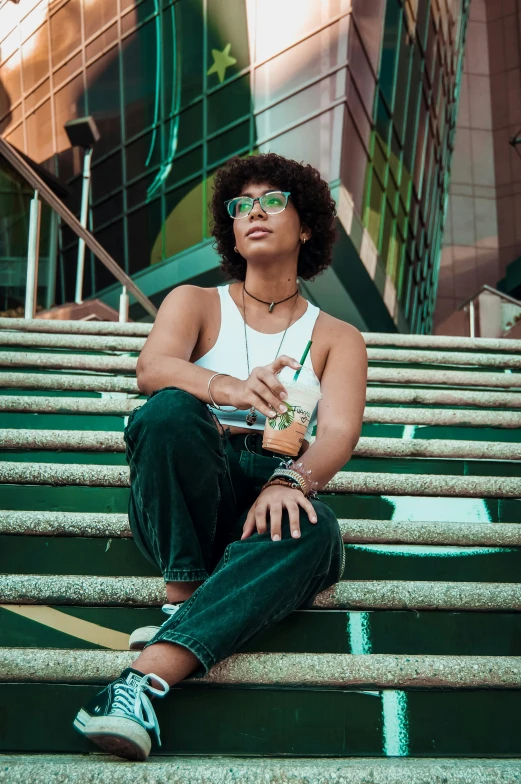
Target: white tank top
x=229 y=353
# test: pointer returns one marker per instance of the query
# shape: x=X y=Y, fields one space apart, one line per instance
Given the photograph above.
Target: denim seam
x=143 y=506
x=198 y=648
x=189 y=575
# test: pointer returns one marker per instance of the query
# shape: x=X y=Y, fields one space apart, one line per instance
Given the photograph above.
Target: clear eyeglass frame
x=249 y=201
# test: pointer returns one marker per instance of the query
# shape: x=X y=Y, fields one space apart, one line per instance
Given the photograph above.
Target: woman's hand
x=262 y=389
x=275 y=498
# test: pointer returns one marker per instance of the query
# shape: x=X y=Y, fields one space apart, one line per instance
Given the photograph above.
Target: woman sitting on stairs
x=239 y=547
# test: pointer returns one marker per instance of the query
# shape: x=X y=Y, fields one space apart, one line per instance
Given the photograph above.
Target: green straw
x=303 y=359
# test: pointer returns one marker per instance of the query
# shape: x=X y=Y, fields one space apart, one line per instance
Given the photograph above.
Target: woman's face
x=261 y=234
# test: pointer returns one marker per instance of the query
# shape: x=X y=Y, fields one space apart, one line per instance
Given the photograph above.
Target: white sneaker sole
x=139 y=638
x=122 y=737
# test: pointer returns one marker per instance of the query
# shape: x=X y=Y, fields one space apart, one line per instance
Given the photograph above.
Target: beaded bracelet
x=283 y=482
x=284 y=472
x=304 y=472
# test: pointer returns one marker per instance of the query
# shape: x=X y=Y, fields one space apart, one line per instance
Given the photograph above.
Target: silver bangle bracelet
x=294 y=475
x=214 y=404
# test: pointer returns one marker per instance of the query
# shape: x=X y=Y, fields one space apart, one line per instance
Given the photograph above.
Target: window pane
x=65 y=30
x=184 y=223
x=144 y=236
x=229 y=103
x=354 y=163
x=66 y=108
x=39 y=134
x=35 y=55
x=374 y=209
x=141 y=90
x=104 y=101
x=369 y=15
x=307 y=60
x=388 y=64
x=98 y=14
x=10 y=88
x=361 y=70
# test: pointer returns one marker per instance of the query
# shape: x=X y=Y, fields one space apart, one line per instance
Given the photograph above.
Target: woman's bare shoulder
x=334 y=329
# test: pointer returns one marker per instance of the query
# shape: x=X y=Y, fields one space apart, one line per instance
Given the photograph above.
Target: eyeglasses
x=272 y=203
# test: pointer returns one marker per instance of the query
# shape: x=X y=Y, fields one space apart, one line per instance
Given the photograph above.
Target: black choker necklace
x=271 y=304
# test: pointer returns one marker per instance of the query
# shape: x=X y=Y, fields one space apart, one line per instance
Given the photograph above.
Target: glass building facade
x=365 y=90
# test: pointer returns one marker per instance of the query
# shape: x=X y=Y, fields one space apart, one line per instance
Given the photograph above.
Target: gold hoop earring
x=303 y=239
x=235 y=248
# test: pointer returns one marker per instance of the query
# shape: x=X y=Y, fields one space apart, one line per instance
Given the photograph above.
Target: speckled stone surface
x=435 y=357
x=297 y=670
x=58 y=474
x=69 y=405
x=442 y=342
x=441 y=376
x=64 y=524
x=74 y=440
x=86 y=590
x=107 y=769
x=419 y=595
x=64 y=382
x=72 y=327
x=369 y=531
x=107 y=441
x=444 y=397
x=442 y=533
x=82 y=590
x=82 y=342
x=343 y=482
x=441 y=416
x=63 y=361
x=434 y=447
x=425 y=484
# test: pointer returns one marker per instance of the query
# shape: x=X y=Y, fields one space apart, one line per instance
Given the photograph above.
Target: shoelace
x=170 y=609
x=131 y=699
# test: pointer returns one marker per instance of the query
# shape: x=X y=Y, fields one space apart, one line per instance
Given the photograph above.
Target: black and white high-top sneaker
x=120 y=717
x=139 y=637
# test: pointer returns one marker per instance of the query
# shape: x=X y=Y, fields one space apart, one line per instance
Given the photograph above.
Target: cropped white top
x=229 y=353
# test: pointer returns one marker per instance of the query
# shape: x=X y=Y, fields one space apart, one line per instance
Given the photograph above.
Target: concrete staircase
x=406 y=671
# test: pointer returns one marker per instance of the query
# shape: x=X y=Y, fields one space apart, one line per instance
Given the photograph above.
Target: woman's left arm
x=341 y=410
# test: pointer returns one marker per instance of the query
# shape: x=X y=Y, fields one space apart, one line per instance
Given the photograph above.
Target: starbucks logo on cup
x=283 y=421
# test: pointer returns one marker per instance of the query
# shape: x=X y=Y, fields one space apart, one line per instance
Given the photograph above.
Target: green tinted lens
x=240 y=207
x=273 y=202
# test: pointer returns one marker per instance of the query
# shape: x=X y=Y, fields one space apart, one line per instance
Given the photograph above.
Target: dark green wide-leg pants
x=192 y=485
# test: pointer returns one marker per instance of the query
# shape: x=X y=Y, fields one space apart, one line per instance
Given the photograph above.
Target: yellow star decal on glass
x=221 y=61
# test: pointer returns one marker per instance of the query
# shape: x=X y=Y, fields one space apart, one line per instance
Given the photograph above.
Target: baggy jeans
x=190 y=493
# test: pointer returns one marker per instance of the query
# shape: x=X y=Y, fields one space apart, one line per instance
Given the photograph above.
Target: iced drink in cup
x=284 y=433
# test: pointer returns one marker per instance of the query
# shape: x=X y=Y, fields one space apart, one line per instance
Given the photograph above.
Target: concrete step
x=400 y=395
x=84 y=524
x=96 y=383
x=121 y=406
x=96 y=441
x=294 y=670
x=99 y=343
x=98 y=769
x=371 y=338
x=343 y=482
x=397 y=632
x=104 y=343
x=85 y=590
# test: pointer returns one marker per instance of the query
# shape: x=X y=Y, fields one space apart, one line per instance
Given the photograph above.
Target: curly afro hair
x=310 y=195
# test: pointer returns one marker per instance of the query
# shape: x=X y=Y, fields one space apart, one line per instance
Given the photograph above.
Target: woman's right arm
x=165 y=358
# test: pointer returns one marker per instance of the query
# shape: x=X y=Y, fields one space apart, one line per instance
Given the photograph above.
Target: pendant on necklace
x=271 y=307
x=251 y=416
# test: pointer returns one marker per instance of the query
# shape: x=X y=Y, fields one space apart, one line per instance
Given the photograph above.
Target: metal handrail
x=11 y=155
x=486 y=287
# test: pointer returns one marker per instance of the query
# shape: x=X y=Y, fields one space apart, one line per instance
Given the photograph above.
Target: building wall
x=483 y=232
x=365 y=90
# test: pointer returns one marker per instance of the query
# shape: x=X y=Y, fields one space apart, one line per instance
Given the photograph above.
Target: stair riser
x=120 y=557
x=305 y=631
x=202 y=720
x=115 y=499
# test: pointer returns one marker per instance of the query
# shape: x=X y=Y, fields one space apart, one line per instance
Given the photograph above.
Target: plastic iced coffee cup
x=284 y=433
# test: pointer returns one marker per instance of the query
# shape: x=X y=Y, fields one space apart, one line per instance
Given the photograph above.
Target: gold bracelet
x=285 y=472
